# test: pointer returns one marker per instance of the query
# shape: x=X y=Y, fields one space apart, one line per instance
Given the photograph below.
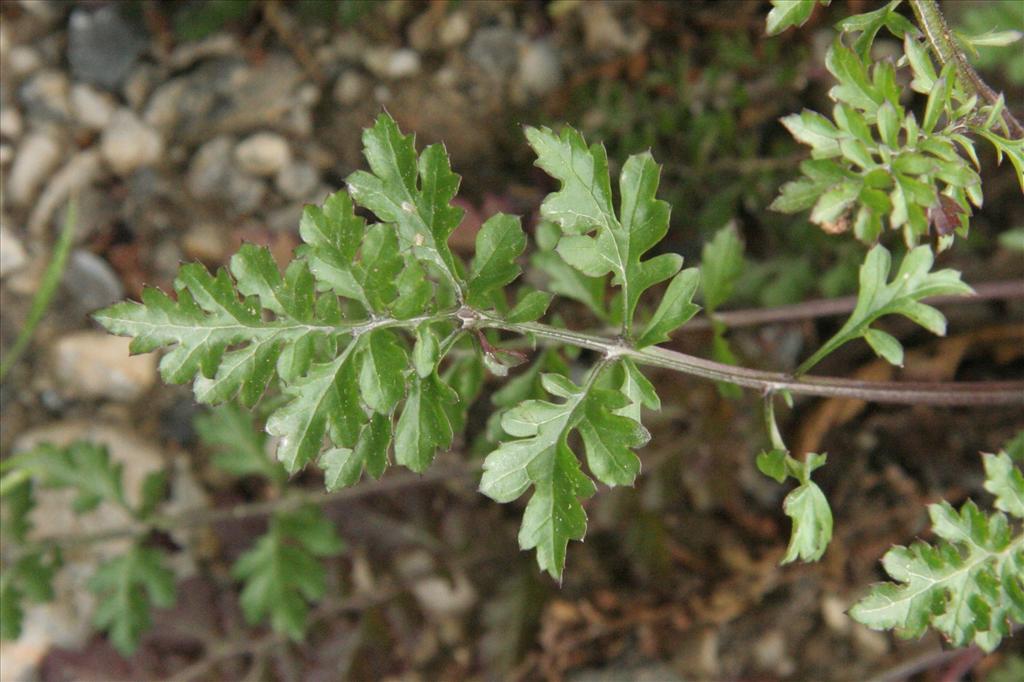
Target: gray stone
x=210 y=167
x=263 y=154
x=128 y=143
x=245 y=192
x=225 y=96
x=11 y=123
x=45 y=96
x=494 y=51
x=23 y=60
x=391 y=64
x=540 y=70
x=12 y=253
x=350 y=87
x=286 y=218
x=91 y=108
x=94 y=364
x=102 y=47
x=455 y=30
x=297 y=180
x=91 y=282
x=37 y=156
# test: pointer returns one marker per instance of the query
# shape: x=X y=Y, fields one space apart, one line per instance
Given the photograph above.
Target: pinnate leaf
x=538 y=455
x=283 y=572
x=127 y=587
x=969 y=584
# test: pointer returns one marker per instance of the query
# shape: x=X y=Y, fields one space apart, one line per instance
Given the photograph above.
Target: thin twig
x=896 y=392
x=200 y=516
x=1005 y=290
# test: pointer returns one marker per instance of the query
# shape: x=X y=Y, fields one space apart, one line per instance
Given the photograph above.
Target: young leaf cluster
x=969 y=584
x=874 y=163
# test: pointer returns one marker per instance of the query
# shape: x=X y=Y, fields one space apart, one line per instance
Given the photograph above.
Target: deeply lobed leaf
x=595 y=240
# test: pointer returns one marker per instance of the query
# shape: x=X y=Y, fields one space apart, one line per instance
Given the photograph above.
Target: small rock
x=494 y=51
x=385 y=62
x=12 y=253
x=225 y=96
x=23 y=60
x=92 y=108
x=297 y=180
x=10 y=123
x=455 y=30
x=102 y=46
x=6 y=154
x=603 y=31
x=350 y=88
x=128 y=143
x=286 y=218
x=540 y=71
x=93 y=364
x=138 y=85
x=263 y=154
x=770 y=654
x=871 y=645
x=245 y=192
x=422 y=32
x=91 y=282
x=210 y=167
x=37 y=156
x=833 y=612
x=45 y=96
x=206 y=242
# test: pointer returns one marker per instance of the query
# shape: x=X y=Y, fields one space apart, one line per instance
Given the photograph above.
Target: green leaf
x=239 y=447
x=82 y=466
x=282 y=573
x=721 y=265
x=381 y=373
x=424 y=425
x=786 y=13
x=1006 y=482
x=412 y=193
x=327 y=396
x=869 y=23
x=583 y=206
x=500 y=241
x=31 y=578
x=854 y=88
x=902 y=296
x=812 y=523
x=886 y=346
x=675 y=309
x=814 y=130
x=539 y=456
x=569 y=282
x=127 y=588
x=969 y=585
x=343 y=466
x=530 y=307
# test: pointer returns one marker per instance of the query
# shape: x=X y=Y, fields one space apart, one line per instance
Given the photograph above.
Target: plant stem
x=943 y=43
x=897 y=392
x=47 y=288
x=1003 y=290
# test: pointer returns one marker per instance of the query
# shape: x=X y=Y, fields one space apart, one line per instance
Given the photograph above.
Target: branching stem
x=943 y=43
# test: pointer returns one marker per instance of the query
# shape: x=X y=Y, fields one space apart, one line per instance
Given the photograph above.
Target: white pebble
x=92 y=108
x=263 y=154
x=37 y=156
x=129 y=144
